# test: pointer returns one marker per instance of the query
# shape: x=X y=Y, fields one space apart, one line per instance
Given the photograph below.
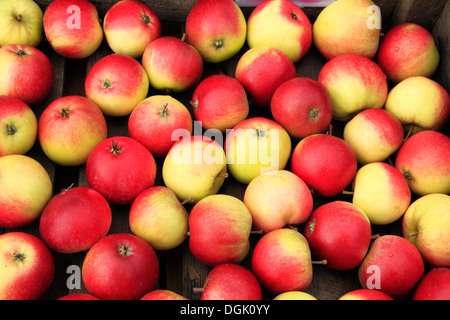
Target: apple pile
x=309 y=195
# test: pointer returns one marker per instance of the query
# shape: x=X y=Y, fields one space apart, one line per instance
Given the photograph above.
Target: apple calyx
x=145 y=18
x=408 y=176
x=115 y=149
x=64 y=112
x=19 y=17
x=10 y=129
x=18 y=257
x=313 y=113
x=294 y=16
x=21 y=52
x=218 y=44
x=194 y=104
x=164 y=112
x=125 y=250
x=106 y=84
x=260 y=133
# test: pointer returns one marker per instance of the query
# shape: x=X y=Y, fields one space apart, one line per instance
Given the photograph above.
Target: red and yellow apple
x=163 y=294
x=365 y=294
x=294 y=295
x=435 y=285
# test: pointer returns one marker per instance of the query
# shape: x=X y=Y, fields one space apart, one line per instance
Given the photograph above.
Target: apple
x=19 y=126
x=302 y=106
x=216 y=28
x=325 y=163
x=374 y=135
x=129 y=27
x=426 y=225
x=435 y=285
x=420 y=104
x=21 y=23
x=25 y=189
x=382 y=192
x=423 y=160
x=340 y=233
x=73 y=28
x=393 y=266
x=408 y=50
x=261 y=70
x=69 y=129
x=78 y=296
x=280 y=24
x=219 y=102
x=157 y=216
x=25 y=73
x=294 y=295
x=163 y=294
x=278 y=199
x=74 y=220
x=172 y=64
x=355 y=83
x=195 y=167
x=115 y=262
x=256 y=145
x=281 y=261
x=229 y=281
x=27 y=264
x=348 y=27
x=365 y=294
x=208 y=220
x=120 y=168
x=117 y=83
x=155 y=120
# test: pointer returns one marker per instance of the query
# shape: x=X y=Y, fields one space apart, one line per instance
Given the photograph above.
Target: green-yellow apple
x=219 y=230
x=435 y=285
x=408 y=50
x=73 y=28
x=18 y=125
x=158 y=217
x=374 y=135
x=276 y=199
x=195 y=167
x=21 y=23
x=426 y=224
x=355 y=83
x=365 y=294
x=294 y=295
x=348 y=26
x=280 y=24
x=382 y=192
x=117 y=83
x=216 y=28
x=163 y=294
x=70 y=128
x=419 y=103
x=256 y=145
x=25 y=189
x=130 y=26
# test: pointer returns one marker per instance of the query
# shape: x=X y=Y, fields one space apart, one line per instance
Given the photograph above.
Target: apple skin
x=219 y=102
x=70 y=128
x=129 y=27
x=78 y=296
x=206 y=220
x=27 y=269
x=339 y=232
x=365 y=294
x=294 y=295
x=229 y=281
x=435 y=285
x=78 y=41
x=426 y=225
x=19 y=126
x=325 y=163
x=261 y=70
x=374 y=135
x=280 y=24
x=408 y=50
x=21 y=23
x=302 y=106
x=399 y=266
x=342 y=28
x=154 y=121
x=163 y=294
x=116 y=261
x=25 y=73
x=216 y=28
x=117 y=83
x=25 y=189
x=74 y=220
x=281 y=261
x=355 y=83
x=423 y=160
x=157 y=216
x=172 y=64
x=120 y=168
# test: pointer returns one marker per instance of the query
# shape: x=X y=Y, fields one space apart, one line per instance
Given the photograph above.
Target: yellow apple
x=294 y=295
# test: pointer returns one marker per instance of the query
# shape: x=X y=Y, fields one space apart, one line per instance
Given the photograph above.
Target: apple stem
x=375 y=236
x=19 y=17
x=164 y=113
x=410 y=235
x=198 y=290
x=67 y=189
x=347 y=192
x=256 y=231
x=114 y=148
x=292 y=227
x=183 y=37
x=324 y=262
x=330 y=130
x=408 y=134
x=186 y=201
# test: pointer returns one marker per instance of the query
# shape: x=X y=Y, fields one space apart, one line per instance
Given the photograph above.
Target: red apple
x=74 y=220
x=163 y=294
x=365 y=294
x=27 y=264
x=121 y=266
x=25 y=73
x=78 y=296
x=120 y=168
x=302 y=106
x=435 y=285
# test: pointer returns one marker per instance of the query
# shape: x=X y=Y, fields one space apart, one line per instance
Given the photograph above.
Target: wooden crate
x=180 y=271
